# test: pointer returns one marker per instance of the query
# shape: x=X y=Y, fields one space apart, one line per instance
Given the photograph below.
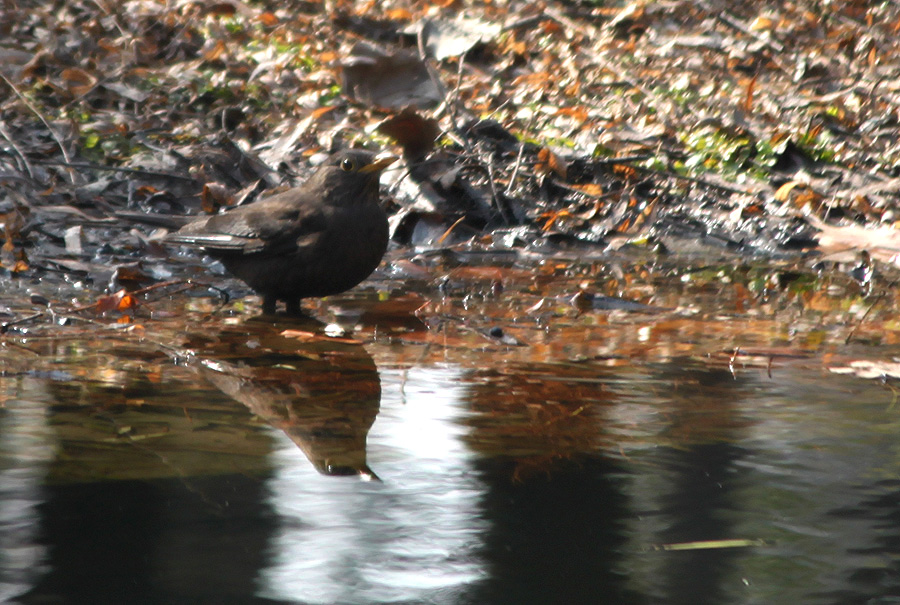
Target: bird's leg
x=269 y=303
x=293 y=307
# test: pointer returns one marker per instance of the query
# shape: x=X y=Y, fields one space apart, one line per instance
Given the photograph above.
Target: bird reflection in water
x=324 y=393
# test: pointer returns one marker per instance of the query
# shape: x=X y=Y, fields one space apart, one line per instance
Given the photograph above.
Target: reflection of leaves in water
x=536 y=412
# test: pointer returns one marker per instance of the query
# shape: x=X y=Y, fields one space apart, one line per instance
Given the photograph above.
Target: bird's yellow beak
x=381 y=162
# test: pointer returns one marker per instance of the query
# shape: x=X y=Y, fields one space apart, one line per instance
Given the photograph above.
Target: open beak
x=381 y=162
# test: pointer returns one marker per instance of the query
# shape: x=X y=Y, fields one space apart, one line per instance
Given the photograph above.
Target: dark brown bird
x=318 y=239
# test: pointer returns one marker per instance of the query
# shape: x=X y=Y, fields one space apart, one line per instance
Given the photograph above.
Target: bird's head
x=352 y=174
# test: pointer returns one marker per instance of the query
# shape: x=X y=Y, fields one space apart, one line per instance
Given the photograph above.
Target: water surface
x=570 y=457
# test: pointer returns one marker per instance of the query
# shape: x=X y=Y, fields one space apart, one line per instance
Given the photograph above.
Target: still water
x=268 y=463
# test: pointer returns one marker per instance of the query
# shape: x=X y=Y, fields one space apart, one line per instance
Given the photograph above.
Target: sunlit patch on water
x=411 y=535
x=26 y=450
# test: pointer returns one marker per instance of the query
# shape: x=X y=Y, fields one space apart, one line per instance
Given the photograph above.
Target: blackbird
x=318 y=239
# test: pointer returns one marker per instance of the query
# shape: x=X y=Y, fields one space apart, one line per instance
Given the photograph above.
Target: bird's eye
x=347 y=165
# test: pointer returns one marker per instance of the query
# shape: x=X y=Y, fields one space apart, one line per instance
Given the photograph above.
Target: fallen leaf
x=882 y=243
x=550 y=162
x=453 y=37
x=391 y=80
x=412 y=131
x=78 y=81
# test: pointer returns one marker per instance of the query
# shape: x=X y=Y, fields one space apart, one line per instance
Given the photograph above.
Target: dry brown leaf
x=784 y=192
x=808 y=198
x=319 y=112
x=550 y=162
x=306 y=336
x=550 y=218
x=748 y=96
x=268 y=19
x=762 y=23
x=110 y=302
x=882 y=243
x=78 y=81
x=535 y=81
x=592 y=189
x=398 y=14
x=214 y=196
x=412 y=131
x=215 y=52
x=578 y=113
x=389 y=79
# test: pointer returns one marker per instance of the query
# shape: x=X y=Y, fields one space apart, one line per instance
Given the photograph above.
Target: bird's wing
x=273 y=225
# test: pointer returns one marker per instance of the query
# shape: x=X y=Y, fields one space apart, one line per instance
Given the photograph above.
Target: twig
x=40 y=116
x=690 y=179
x=90 y=166
x=498 y=204
x=449 y=230
x=524 y=23
x=15 y=147
x=863 y=318
x=731 y=21
x=4 y=327
x=625 y=159
x=175 y=282
x=515 y=172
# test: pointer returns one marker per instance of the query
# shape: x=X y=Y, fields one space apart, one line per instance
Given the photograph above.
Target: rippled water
x=261 y=464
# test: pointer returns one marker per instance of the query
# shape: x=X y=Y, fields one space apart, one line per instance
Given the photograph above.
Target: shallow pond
x=487 y=440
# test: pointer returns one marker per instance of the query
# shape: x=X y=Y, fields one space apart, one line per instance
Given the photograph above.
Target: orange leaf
x=573 y=89
x=578 y=113
x=321 y=111
x=398 y=14
x=513 y=46
x=549 y=161
x=213 y=197
x=268 y=19
x=752 y=210
x=593 y=189
x=762 y=23
x=127 y=302
x=624 y=171
x=215 y=52
x=147 y=190
x=328 y=57
x=109 y=303
x=549 y=26
x=748 y=97
x=552 y=217
x=538 y=81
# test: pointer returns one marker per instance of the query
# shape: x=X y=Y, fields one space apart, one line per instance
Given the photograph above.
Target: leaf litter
x=698 y=160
